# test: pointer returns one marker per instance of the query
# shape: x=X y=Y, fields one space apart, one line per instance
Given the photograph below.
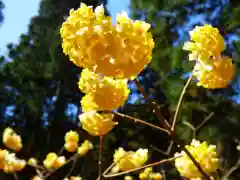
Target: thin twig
x=71 y=170
x=204 y=121
x=100 y=158
x=140 y=121
x=166 y=153
x=135 y=169
x=176 y=115
x=15 y=176
x=172 y=133
x=153 y=105
x=231 y=170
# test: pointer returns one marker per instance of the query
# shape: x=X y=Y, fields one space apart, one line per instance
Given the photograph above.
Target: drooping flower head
x=92 y=41
x=97 y=124
x=216 y=73
x=104 y=93
x=206 y=42
x=203 y=153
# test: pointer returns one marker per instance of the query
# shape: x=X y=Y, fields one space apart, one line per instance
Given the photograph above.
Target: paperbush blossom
x=207 y=42
x=71 y=141
x=203 y=153
x=84 y=148
x=11 y=140
x=52 y=161
x=126 y=160
x=212 y=69
x=9 y=163
x=92 y=41
x=97 y=124
x=218 y=74
x=88 y=80
x=117 y=92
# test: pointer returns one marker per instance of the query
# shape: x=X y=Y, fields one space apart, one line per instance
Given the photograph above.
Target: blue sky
x=17 y=15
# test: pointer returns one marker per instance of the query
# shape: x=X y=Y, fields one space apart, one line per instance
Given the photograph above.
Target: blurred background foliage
x=40 y=99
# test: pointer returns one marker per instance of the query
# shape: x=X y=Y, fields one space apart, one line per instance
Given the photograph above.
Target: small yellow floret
x=97 y=124
x=71 y=147
x=207 y=42
x=203 y=153
x=128 y=178
x=88 y=80
x=216 y=73
x=32 y=162
x=37 y=178
x=52 y=161
x=85 y=147
x=11 y=140
x=71 y=137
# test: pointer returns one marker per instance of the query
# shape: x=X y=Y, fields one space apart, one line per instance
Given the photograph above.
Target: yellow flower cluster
x=97 y=124
x=11 y=140
x=9 y=163
x=53 y=161
x=203 y=153
x=148 y=174
x=127 y=160
x=96 y=89
x=92 y=41
x=71 y=141
x=211 y=69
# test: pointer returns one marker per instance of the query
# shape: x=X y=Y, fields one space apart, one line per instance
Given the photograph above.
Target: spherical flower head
x=92 y=41
x=216 y=73
x=203 y=153
x=130 y=160
x=85 y=147
x=97 y=124
x=50 y=160
x=207 y=42
x=82 y=33
x=11 y=140
x=88 y=80
x=71 y=137
x=117 y=92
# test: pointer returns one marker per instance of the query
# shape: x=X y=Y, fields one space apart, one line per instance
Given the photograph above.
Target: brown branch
x=180 y=101
x=153 y=105
x=172 y=133
x=140 y=121
x=204 y=121
x=135 y=169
